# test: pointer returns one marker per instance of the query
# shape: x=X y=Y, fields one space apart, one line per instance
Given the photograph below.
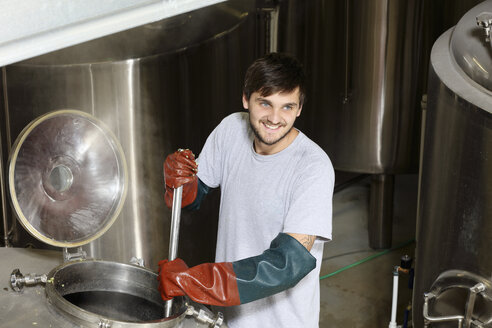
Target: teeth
x=273 y=127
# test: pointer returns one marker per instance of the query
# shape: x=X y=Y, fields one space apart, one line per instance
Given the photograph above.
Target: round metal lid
x=67 y=178
x=471 y=48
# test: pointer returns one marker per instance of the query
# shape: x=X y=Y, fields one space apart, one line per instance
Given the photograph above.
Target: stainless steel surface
x=471 y=52
x=33 y=308
x=362 y=62
x=174 y=236
x=454 y=225
x=159 y=87
x=381 y=211
x=475 y=311
x=116 y=294
x=67 y=178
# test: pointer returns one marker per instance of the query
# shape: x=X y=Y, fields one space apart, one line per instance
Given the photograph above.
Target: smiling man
x=276 y=206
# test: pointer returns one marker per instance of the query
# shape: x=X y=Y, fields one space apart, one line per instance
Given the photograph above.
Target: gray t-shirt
x=261 y=196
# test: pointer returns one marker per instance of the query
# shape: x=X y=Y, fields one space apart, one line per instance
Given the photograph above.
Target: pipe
x=406 y=315
x=386 y=251
x=3 y=196
x=174 y=236
x=3 y=202
x=428 y=319
x=394 y=302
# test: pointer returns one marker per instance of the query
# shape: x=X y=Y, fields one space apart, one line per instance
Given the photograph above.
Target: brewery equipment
x=158 y=87
x=454 y=228
x=362 y=104
x=67 y=181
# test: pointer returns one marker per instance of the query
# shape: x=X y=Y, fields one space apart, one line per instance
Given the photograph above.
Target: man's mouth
x=272 y=126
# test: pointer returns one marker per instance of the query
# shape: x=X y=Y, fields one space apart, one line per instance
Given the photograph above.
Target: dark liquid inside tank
x=117 y=306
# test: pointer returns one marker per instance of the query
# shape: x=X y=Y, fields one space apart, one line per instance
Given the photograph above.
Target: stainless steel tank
x=454 y=225
x=362 y=59
x=67 y=183
x=158 y=87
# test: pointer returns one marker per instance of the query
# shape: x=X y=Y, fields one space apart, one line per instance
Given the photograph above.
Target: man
x=275 y=212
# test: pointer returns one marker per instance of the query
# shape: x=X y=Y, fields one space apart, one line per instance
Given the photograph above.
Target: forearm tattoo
x=307 y=241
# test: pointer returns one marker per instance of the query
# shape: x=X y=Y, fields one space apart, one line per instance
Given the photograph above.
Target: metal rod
x=3 y=202
x=470 y=304
x=3 y=175
x=346 y=84
x=429 y=319
x=174 y=236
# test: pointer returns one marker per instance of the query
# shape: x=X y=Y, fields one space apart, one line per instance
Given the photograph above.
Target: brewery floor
x=361 y=295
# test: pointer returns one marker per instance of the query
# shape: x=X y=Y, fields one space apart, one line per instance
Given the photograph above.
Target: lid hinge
x=79 y=254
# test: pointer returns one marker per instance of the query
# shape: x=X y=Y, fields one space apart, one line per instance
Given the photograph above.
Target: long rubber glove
x=280 y=267
x=180 y=169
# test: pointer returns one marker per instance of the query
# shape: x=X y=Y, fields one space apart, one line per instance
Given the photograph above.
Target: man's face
x=272 y=118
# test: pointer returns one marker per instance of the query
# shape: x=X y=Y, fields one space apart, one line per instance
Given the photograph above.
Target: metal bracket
x=203 y=316
x=484 y=20
x=137 y=261
x=104 y=323
x=80 y=254
x=18 y=280
x=462 y=320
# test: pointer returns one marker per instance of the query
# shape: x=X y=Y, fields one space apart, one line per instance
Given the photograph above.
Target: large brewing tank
x=158 y=87
x=362 y=59
x=454 y=224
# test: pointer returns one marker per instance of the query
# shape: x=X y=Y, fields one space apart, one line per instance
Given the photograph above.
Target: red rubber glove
x=208 y=283
x=180 y=169
x=278 y=268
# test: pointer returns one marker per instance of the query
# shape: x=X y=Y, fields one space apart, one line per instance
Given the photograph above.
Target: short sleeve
x=310 y=210
x=209 y=160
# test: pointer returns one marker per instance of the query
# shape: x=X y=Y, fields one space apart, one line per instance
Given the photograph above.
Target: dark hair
x=275 y=72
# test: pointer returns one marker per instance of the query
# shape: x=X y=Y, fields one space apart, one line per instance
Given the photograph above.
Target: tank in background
x=362 y=108
x=454 y=222
x=159 y=87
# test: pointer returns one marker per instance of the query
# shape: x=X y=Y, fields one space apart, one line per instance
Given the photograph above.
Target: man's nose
x=274 y=116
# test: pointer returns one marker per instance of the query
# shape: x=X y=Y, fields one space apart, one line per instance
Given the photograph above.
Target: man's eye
x=264 y=104
x=287 y=107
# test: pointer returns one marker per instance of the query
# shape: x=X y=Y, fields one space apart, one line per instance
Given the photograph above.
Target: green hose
x=386 y=251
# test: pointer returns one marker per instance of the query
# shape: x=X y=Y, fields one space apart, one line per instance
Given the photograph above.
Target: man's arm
x=305 y=240
x=278 y=268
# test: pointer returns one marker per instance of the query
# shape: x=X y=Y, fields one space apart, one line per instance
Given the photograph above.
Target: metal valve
x=18 y=280
x=204 y=316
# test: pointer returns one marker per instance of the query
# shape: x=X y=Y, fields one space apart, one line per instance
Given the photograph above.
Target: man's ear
x=299 y=111
x=245 y=102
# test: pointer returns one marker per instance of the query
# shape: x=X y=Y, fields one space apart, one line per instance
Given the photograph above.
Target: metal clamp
x=484 y=20
x=205 y=317
x=18 y=280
